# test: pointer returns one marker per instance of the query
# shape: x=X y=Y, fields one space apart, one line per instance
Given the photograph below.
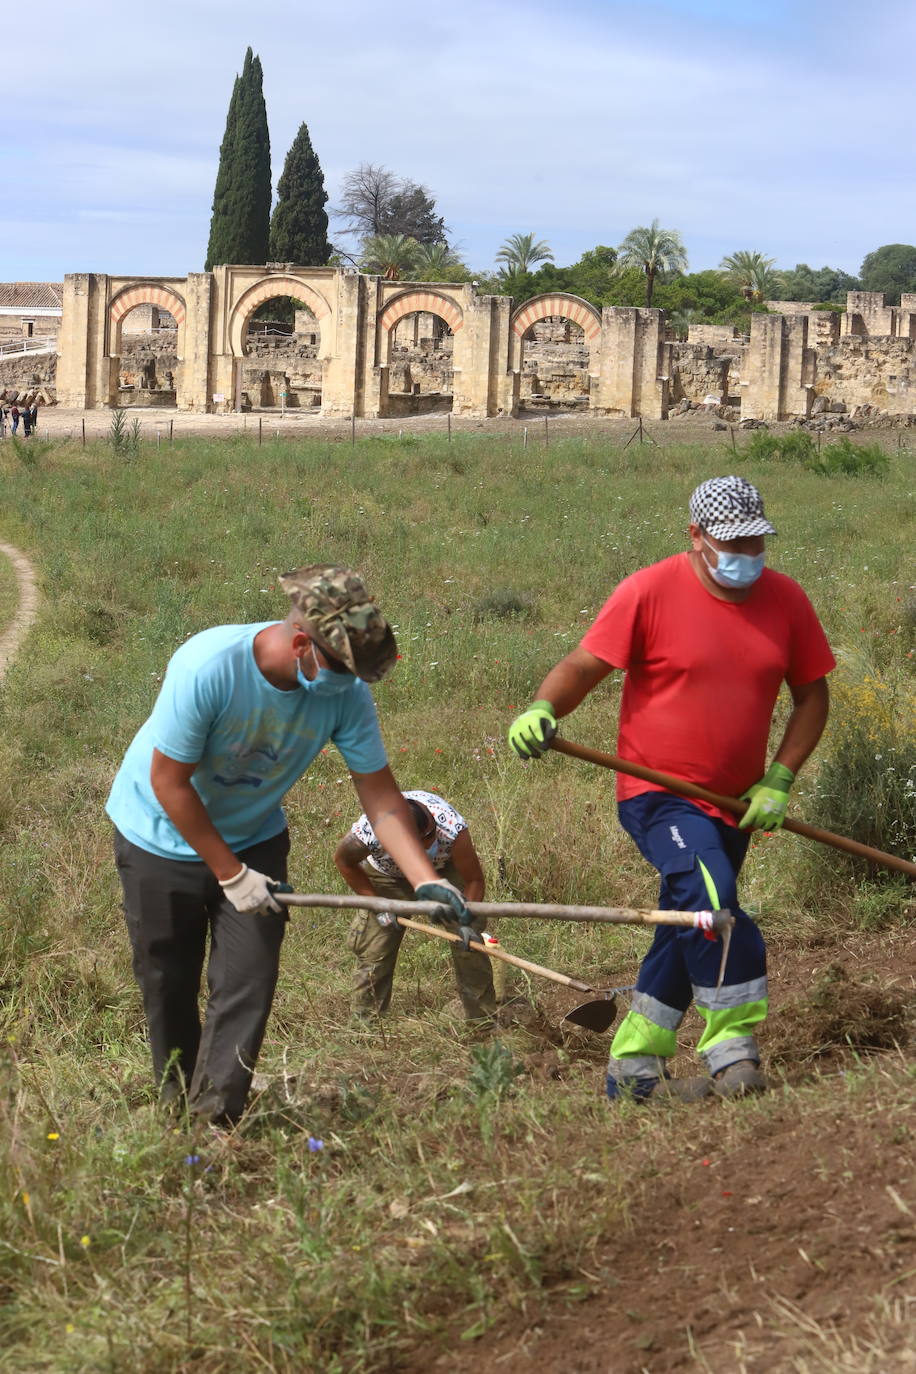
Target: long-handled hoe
x=732 y=804
x=596 y=1015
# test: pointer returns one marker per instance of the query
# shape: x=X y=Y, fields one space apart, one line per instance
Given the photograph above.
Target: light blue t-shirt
x=252 y=740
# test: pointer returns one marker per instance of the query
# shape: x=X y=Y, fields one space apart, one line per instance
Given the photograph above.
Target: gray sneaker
x=740 y=1079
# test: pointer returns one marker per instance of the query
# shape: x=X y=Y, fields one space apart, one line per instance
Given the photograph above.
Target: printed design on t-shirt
x=237 y=766
x=449 y=825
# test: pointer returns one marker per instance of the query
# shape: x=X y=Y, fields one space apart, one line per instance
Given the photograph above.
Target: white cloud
x=764 y=125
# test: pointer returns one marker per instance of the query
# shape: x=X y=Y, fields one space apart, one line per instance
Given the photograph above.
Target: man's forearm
x=188 y=814
x=570 y=682
x=804 y=726
x=355 y=879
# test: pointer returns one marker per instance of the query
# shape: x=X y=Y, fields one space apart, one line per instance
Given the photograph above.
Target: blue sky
x=782 y=128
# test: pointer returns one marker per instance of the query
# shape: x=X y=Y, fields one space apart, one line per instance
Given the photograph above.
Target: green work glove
x=453 y=906
x=767 y=799
x=531 y=732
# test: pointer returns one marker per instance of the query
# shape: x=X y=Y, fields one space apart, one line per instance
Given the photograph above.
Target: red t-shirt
x=703 y=675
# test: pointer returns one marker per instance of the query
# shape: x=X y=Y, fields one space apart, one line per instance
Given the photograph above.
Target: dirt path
x=26 y=611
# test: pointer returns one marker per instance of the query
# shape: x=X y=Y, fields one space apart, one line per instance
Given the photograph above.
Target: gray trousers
x=171 y=906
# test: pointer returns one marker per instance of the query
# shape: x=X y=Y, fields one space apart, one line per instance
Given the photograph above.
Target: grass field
x=464 y=1193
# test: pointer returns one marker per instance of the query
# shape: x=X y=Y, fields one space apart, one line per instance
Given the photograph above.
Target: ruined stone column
x=632 y=353
x=762 y=371
x=342 y=378
x=83 y=374
x=194 y=383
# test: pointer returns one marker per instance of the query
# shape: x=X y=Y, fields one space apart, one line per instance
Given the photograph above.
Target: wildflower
x=315 y=1145
x=25 y=1200
x=192 y=1159
x=54 y=1135
x=85 y=1242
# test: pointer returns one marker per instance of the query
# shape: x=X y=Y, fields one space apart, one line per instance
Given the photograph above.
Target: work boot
x=658 y=1089
x=740 y=1079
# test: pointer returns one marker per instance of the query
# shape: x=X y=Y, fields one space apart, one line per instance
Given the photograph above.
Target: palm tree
x=438 y=262
x=393 y=256
x=681 y=320
x=519 y=253
x=752 y=273
x=653 y=250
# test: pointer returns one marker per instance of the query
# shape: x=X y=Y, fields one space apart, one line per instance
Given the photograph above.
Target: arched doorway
x=146 y=346
x=555 y=349
x=277 y=339
x=419 y=331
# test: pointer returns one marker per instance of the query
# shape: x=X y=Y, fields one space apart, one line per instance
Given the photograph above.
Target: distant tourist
x=33 y=416
x=26 y=415
x=14 y=417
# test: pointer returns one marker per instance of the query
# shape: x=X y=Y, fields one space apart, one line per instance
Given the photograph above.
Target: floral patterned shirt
x=449 y=825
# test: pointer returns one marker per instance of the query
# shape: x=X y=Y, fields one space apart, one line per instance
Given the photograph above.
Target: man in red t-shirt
x=706 y=639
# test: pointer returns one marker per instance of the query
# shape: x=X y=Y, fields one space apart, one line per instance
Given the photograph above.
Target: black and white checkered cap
x=729 y=508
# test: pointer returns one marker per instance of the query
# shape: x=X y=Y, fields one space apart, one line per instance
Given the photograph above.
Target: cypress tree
x=240 y=226
x=299 y=228
x=221 y=218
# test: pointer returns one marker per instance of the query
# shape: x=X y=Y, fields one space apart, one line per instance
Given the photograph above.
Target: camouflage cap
x=342 y=618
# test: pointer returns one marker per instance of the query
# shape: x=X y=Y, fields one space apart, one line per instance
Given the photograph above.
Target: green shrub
x=795 y=447
x=847 y=459
x=866 y=777
x=504 y=603
x=840 y=458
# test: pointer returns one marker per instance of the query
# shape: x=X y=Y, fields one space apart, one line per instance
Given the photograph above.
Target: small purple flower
x=192 y=1159
x=315 y=1145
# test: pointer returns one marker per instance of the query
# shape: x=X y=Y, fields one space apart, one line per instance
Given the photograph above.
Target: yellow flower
x=85 y=1242
x=54 y=1135
x=25 y=1199
x=69 y=1328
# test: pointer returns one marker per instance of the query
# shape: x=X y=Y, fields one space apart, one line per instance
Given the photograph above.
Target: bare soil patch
x=777 y=1228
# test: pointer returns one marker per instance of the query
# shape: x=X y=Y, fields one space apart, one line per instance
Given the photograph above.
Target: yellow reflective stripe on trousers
x=711 y=889
x=638 y=1035
x=730 y=1023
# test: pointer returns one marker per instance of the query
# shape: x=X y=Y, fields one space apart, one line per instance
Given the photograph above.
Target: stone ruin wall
x=797 y=362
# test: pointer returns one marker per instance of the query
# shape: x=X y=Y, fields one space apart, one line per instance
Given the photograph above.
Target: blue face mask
x=735 y=570
x=324 y=683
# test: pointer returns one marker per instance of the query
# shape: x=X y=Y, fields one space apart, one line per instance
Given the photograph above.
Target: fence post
x=260 y=433
x=449 y=419
x=83 y=425
x=352 y=429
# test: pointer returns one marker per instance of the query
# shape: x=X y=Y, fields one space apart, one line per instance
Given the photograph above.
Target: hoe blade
x=596 y=1016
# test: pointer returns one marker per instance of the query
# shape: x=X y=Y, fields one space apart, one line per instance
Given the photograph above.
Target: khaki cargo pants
x=376 y=949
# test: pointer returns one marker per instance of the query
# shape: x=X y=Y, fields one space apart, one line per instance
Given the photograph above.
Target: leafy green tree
x=240 y=224
x=393 y=256
x=804 y=283
x=520 y=252
x=299 y=226
x=654 y=251
x=438 y=262
x=411 y=212
x=593 y=275
x=752 y=273
x=890 y=269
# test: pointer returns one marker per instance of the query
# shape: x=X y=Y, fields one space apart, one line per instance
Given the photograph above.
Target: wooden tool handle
x=732 y=804
x=541 y=911
x=496 y=952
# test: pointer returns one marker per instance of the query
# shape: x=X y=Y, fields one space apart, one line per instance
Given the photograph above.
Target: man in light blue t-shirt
x=201 y=842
